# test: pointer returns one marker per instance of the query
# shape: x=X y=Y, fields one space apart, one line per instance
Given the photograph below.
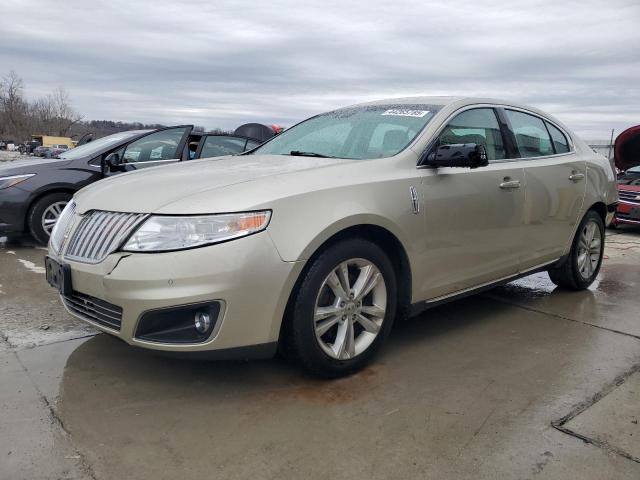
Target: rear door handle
x=509 y=184
x=575 y=177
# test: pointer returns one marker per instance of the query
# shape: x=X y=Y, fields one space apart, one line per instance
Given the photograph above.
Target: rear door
x=473 y=217
x=221 y=145
x=160 y=147
x=555 y=178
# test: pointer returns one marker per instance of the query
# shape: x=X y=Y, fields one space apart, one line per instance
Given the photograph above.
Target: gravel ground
x=9 y=156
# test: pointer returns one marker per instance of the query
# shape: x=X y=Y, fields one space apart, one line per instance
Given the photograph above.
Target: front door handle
x=509 y=184
x=576 y=176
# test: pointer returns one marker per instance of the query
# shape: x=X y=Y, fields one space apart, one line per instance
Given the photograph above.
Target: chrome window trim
x=174 y=160
x=445 y=123
x=545 y=119
x=473 y=106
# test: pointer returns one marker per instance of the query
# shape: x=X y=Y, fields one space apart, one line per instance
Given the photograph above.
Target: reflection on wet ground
x=467 y=390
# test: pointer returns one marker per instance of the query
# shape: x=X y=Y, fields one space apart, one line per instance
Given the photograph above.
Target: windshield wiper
x=298 y=153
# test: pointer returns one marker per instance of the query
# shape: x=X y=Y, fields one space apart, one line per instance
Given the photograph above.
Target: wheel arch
x=39 y=195
x=601 y=209
x=382 y=237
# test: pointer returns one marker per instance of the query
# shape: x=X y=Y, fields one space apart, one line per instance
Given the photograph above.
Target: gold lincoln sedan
x=315 y=242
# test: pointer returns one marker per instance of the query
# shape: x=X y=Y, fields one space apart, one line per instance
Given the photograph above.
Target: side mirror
x=113 y=162
x=470 y=155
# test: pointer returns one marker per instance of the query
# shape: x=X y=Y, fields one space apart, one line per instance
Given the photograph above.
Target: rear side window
x=221 y=145
x=532 y=137
x=560 y=142
x=479 y=126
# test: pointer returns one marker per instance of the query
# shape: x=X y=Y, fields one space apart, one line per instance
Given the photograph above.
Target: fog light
x=202 y=322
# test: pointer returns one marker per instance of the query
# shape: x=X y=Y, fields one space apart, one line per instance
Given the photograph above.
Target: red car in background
x=627 y=159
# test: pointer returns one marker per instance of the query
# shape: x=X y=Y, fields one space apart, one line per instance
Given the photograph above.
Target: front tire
x=582 y=266
x=343 y=309
x=44 y=213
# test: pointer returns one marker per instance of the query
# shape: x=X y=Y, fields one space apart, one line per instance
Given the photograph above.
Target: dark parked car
x=33 y=192
x=41 y=151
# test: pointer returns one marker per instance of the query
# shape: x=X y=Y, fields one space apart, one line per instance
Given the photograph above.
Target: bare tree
x=64 y=116
x=19 y=119
x=13 y=107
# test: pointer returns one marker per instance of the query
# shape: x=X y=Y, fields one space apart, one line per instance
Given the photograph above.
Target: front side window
x=479 y=126
x=162 y=145
x=221 y=145
x=560 y=142
x=356 y=133
x=532 y=137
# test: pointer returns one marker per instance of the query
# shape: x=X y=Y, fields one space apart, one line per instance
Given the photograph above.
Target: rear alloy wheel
x=44 y=214
x=585 y=258
x=343 y=309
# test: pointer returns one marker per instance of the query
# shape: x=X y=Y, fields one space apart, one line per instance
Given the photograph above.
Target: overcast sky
x=222 y=63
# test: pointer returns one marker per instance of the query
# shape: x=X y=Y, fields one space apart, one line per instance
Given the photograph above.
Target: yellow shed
x=49 y=141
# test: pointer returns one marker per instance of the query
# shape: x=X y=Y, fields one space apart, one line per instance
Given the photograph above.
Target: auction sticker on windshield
x=402 y=112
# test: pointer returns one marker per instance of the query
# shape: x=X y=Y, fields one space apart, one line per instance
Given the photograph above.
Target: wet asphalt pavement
x=522 y=382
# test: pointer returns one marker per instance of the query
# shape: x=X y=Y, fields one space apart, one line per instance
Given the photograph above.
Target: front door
x=473 y=228
x=162 y=147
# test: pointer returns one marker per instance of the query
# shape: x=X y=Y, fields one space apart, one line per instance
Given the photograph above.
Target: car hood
x=29 y=165
x=627 y=149
x=150 y=189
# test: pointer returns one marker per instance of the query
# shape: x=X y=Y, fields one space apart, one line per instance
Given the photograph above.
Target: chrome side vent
x=99 y=234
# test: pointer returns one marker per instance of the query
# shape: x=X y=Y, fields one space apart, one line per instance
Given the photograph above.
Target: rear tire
x=45 y=211
x=343 y=309
x=582 y=265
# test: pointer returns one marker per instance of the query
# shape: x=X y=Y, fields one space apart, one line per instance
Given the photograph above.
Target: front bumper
x=14 y=203
x=247 y=277
x=623 y=213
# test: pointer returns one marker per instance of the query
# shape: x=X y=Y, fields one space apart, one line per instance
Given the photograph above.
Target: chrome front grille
x=631 y=197
x=94 y=309
x=99 y=234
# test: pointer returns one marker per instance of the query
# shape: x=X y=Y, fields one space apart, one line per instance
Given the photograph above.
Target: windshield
x=630 y=177
x=96 y=146
x=358 y=133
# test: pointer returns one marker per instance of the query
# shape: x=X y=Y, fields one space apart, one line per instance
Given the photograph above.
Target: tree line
x=52 y=114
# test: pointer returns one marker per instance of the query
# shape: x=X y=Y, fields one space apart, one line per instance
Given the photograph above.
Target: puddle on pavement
x=30 y=311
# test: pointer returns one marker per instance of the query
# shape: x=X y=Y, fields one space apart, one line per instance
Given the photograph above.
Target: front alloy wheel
x=51 y=215
x=342 y=309
x=350 y=308
x=44 y=213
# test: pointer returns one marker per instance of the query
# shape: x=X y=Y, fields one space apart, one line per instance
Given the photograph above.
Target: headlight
x=60 y=229
x=6 y=182
x=165 y=233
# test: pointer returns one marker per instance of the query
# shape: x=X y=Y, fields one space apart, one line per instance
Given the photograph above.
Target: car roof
x=455 y=102
x=427 y=100
x=448 y=100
